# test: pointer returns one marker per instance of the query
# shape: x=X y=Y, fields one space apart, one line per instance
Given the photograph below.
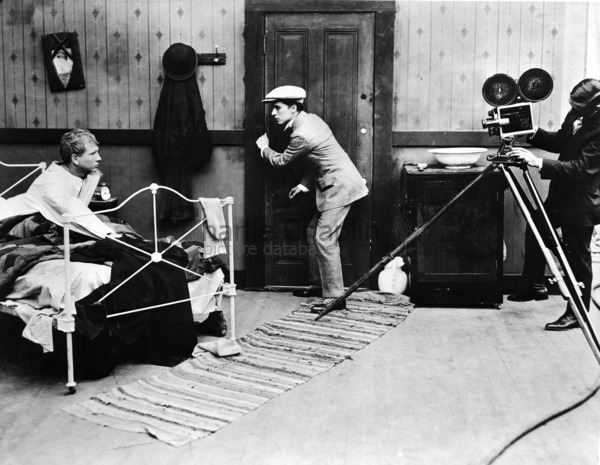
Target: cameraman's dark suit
x=573 y=201
x=338 y=184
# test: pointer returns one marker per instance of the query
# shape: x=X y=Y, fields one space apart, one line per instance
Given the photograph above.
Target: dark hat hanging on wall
x=180 y=61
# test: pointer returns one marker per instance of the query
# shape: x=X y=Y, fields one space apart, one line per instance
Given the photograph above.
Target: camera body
x=510 y=120
x=512 y=114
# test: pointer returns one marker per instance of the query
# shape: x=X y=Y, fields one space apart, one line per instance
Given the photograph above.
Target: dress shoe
x=566 y=321
x=310 y=291
x=318 y=307
x=529 y=293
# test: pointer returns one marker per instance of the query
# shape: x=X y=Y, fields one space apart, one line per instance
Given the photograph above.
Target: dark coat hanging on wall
x=181 y=144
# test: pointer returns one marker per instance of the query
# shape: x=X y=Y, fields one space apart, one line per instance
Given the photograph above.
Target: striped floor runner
x=203 y=394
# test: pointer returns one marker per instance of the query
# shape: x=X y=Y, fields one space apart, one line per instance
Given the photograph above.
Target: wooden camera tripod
x=568 y=286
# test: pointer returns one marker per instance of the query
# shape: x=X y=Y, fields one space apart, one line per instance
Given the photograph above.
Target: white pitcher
x=393 y=278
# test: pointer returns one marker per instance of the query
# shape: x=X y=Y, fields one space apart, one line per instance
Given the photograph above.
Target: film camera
x=512 y=113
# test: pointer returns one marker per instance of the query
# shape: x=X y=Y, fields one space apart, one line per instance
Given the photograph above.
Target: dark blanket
x=25 y=241
x=160 y=335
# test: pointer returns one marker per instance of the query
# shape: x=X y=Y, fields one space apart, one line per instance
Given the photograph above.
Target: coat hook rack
x=212 y=59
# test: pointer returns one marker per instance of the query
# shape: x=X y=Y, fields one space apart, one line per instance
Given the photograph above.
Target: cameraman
x=573 y=201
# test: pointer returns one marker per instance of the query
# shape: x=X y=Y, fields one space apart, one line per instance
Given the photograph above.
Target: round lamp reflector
x=499 y=89
x=535 y=85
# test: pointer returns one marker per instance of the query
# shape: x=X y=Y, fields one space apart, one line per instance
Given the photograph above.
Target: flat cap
x=286 y=93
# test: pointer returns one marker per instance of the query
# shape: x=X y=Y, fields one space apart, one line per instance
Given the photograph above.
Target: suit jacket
x=575 y=177
x=327 y=166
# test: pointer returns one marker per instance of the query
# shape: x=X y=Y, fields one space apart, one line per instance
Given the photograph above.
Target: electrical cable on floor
x=593 y=391
x=595 y=388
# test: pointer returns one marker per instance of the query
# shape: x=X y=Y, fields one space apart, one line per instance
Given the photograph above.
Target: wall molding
x=443 y=139
x=108 y=136
x=346 y=6
x=235 y=137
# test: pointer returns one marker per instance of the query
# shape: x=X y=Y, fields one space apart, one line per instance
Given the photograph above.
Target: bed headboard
x=36 y=167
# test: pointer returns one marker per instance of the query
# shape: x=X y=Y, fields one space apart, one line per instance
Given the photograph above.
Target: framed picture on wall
x=62 y=59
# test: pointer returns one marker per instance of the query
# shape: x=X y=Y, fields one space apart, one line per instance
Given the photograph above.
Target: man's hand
x=299 y=189
x=262 y=142
x=526 y=156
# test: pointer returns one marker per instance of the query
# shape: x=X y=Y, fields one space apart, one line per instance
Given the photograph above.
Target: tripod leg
x=569 y=290
x=387 y=258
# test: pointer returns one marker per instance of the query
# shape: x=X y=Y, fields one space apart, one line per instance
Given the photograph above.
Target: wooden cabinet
x=457 y=261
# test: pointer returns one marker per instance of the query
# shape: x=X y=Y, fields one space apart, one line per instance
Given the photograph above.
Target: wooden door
x=331 y=56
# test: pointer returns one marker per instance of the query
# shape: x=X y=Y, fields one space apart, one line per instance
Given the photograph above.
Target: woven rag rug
x=205 y=393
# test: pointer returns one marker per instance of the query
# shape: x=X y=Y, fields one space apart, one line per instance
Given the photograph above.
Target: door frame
x=254 y=58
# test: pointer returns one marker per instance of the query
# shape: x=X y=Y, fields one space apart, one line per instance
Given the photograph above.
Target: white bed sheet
x=202 y=294
x=38 y=296
x=44 y=284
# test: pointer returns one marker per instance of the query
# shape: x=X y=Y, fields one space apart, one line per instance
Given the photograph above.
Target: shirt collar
x=289 y=125
x=291 y=122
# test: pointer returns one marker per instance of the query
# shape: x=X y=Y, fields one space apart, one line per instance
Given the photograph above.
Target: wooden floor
x=447 y=386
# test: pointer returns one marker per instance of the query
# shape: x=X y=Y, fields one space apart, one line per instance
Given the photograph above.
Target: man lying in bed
x=66 y=187
x=164 y=335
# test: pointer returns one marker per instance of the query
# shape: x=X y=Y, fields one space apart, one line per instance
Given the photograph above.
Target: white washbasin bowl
x=457 y=158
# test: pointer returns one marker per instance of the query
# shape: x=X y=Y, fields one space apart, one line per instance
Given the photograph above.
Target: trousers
x=576 y=241
x=324 y=261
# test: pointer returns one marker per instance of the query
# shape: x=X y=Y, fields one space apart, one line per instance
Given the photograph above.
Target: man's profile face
x=89 y=160
x=282 y=113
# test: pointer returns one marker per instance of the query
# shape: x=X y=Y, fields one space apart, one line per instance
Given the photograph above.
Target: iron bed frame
x=66 y=322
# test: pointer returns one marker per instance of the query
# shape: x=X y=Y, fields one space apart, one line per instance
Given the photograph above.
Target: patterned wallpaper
x=121 y=42
x=444 y=51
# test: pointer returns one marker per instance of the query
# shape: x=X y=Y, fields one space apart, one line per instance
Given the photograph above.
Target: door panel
x=331 y=56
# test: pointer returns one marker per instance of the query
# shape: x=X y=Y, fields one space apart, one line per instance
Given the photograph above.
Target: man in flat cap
x=329 y=170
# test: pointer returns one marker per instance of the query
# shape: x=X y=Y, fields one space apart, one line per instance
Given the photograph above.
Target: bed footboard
x=158 y=255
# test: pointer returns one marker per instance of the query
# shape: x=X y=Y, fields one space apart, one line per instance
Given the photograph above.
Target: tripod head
x=503 y=155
